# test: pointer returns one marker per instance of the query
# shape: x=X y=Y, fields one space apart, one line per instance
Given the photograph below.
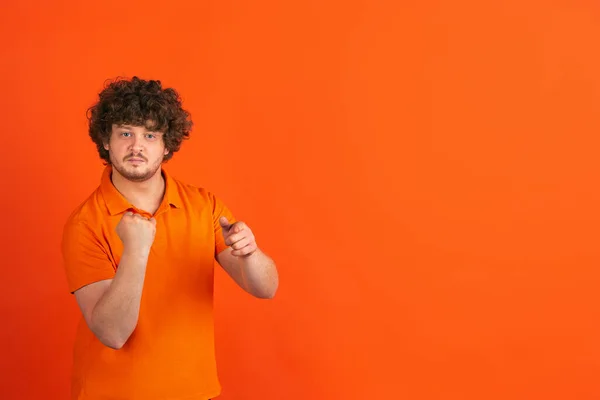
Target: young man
x=139 y=255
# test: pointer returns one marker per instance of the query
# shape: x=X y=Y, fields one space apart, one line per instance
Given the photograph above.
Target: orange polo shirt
x=170 y=354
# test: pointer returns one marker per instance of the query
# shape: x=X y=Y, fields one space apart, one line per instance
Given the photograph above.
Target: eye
x=126 y=134
x=151 y=136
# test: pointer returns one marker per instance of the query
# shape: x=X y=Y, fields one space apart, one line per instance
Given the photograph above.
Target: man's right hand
x=136 y=232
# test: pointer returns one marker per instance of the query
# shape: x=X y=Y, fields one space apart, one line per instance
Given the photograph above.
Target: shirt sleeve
x=219 y=209
x=85 y=259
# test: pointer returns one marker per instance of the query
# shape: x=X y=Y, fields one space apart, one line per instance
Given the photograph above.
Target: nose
x=136 y=144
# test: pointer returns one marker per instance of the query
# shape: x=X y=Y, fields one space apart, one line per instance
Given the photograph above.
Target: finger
x=240 y=244
x=247 y=250
x=237 y=227
x=236 y=237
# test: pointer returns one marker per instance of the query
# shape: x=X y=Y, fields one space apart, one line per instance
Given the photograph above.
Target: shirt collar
x=117 y=203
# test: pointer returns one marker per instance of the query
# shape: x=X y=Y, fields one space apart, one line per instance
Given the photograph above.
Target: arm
x=111 y=307
x=256 y=272
x=237 y=252
x=109 y=300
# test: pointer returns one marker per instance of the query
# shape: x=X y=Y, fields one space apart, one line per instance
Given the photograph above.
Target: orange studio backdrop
x=424 y=173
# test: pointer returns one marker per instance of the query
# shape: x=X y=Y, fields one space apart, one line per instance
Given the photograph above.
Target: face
x=135 y=152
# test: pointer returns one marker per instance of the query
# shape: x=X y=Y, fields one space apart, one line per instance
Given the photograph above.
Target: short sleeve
x=85 y=260
x=219 y=209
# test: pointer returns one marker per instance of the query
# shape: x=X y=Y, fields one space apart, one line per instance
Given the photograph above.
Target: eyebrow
x=131 y=126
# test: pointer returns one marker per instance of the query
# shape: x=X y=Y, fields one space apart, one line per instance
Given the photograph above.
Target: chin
x=136 y=174
x=137 y=177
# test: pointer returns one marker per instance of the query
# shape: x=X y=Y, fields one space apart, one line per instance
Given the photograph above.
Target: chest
x=182 y=251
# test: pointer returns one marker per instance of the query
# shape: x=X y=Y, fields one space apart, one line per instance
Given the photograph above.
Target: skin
x=111 y=307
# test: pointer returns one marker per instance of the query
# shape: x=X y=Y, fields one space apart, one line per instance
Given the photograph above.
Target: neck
x=140 y=194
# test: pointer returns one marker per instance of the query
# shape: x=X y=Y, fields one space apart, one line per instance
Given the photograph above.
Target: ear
x=106 y=146
x=166 y=151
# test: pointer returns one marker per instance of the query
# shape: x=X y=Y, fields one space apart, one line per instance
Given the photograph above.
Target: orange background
x=424 y=173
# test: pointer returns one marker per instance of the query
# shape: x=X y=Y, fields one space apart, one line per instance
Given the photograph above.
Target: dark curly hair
x=139 y=102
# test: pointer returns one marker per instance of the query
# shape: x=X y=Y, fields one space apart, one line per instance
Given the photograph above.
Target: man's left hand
x=239 y=236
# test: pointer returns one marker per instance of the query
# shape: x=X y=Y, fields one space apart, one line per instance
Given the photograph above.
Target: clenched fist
x=136 y=232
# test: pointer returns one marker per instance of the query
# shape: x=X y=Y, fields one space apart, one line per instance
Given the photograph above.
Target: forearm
x=258 y=274
x=115 y=316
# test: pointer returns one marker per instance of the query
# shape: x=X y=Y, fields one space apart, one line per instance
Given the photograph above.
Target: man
x=139 y=256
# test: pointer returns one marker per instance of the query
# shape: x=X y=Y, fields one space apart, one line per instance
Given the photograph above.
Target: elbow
x=270 y=296
x=267 y=294
x=114 y=343
x=110 y=335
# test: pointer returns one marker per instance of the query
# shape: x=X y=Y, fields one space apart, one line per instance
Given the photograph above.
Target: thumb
x=224 y=222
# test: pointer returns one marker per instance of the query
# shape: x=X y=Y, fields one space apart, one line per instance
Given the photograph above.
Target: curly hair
x=139 y=102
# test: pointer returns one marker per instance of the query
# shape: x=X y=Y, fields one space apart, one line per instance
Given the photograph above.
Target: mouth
x=135 y=160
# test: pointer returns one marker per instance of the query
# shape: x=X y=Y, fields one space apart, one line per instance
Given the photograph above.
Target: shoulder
x=85 y=215
x=193 y=194
x=189 y=189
